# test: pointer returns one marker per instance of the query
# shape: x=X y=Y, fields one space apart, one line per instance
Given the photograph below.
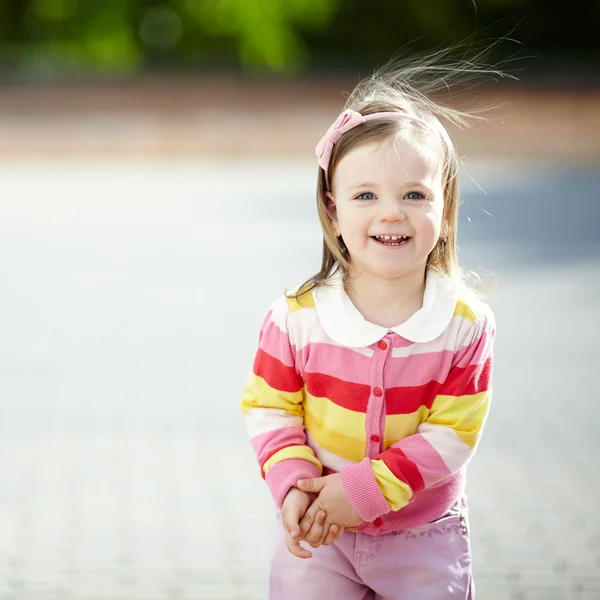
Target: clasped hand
x=317 y=511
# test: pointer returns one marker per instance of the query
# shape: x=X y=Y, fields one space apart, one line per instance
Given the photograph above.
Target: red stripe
x=407 y=400
x=275 y=451
x=401 y=400
x=403 y=468
x=467 y=381
x=276 y=374
x=353 y=396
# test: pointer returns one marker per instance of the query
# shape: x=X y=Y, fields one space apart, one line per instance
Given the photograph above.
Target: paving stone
x=130 y=307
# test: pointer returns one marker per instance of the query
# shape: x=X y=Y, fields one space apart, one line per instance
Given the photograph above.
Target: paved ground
x=129 y=306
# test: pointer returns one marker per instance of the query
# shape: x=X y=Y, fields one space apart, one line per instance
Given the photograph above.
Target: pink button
x=377 y=392
x=382 y=345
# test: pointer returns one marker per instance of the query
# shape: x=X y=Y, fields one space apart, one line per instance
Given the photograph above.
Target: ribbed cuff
x=363 y=492
x=285 y=474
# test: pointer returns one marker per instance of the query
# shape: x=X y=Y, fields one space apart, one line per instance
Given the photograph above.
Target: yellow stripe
x=396 y=492
x=306 y=300
x=303 y=452
x=259 y=394
x=464 y=414
x=398 y=427
x=351 y=422
x=462 y=309
x=325 y=421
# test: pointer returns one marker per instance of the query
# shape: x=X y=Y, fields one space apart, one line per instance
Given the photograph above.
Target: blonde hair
x=410 y=86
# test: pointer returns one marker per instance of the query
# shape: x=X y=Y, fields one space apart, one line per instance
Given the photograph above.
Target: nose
x=392 y=211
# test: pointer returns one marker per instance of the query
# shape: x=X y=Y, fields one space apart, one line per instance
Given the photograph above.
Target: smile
x=391 y=240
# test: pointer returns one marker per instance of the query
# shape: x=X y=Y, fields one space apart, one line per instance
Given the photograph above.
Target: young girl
x=371 y=384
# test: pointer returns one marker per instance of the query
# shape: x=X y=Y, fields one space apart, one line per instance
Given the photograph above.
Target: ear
x=331 y=207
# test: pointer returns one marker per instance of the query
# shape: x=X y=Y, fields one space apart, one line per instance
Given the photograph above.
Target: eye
x=415 y=196
x=365 y=196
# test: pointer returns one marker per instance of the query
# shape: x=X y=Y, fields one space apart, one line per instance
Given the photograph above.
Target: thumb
x=312 y=485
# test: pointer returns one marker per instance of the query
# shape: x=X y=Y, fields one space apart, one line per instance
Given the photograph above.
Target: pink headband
x=348 y=120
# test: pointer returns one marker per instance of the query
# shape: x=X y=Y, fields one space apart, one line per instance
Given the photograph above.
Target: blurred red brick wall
x=217 y=117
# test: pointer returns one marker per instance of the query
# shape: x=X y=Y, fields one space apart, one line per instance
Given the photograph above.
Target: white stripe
x=327 y=459
x=279 y=314
x=263 y=420
x=454 y=452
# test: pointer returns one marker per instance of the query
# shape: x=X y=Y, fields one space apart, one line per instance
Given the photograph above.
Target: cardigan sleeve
x=443 y=443
x=272 y=406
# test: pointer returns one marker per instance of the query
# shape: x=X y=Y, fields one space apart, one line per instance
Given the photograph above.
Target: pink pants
x=430 y=562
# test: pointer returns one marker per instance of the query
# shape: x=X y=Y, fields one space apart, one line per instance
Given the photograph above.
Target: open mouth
x=391 y=240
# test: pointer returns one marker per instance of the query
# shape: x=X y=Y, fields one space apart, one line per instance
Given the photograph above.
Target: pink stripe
x=419 y=369
x=276 y=343
x=476 y=352
x=428 y=460
x=265 y=443
x=336 y=361
x=353 y=367
x=406 y=371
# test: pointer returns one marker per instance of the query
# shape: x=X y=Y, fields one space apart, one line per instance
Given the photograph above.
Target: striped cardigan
x=398 y=412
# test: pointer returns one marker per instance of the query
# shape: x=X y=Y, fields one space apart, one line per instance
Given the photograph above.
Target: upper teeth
x=391 y=238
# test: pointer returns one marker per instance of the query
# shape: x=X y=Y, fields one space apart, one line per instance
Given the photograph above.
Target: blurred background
x=157 y=186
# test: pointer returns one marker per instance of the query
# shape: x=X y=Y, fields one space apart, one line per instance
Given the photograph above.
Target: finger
x=295 y=548
x=314 y=485
x=289 y=519
x=335 y=532
x=307 y=520
x=315 y=533
x=324 y=534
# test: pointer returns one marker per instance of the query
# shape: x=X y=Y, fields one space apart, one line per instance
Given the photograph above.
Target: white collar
x=344 y=324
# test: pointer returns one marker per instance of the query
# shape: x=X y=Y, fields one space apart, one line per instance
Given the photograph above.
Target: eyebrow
x=417 y=183
x=369 y=184
x=366 y=184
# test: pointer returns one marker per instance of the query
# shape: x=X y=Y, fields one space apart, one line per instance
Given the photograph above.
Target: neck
x=386 y=302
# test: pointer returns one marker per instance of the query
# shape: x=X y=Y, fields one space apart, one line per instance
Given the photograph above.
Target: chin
x=389 y=271
x=392 y=273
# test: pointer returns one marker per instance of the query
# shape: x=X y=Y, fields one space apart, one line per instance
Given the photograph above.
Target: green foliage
x=271 y=35
x=72 y=34
x=123 y=35
x=266 y=32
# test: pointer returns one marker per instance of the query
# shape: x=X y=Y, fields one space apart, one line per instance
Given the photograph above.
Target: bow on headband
x=348 y=120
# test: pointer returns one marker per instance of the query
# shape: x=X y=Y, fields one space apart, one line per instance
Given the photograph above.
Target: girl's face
x=388 y=204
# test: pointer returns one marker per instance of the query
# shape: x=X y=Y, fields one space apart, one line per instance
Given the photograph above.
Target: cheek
x=429 y=222
x=349 y=221
x=436 y=214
